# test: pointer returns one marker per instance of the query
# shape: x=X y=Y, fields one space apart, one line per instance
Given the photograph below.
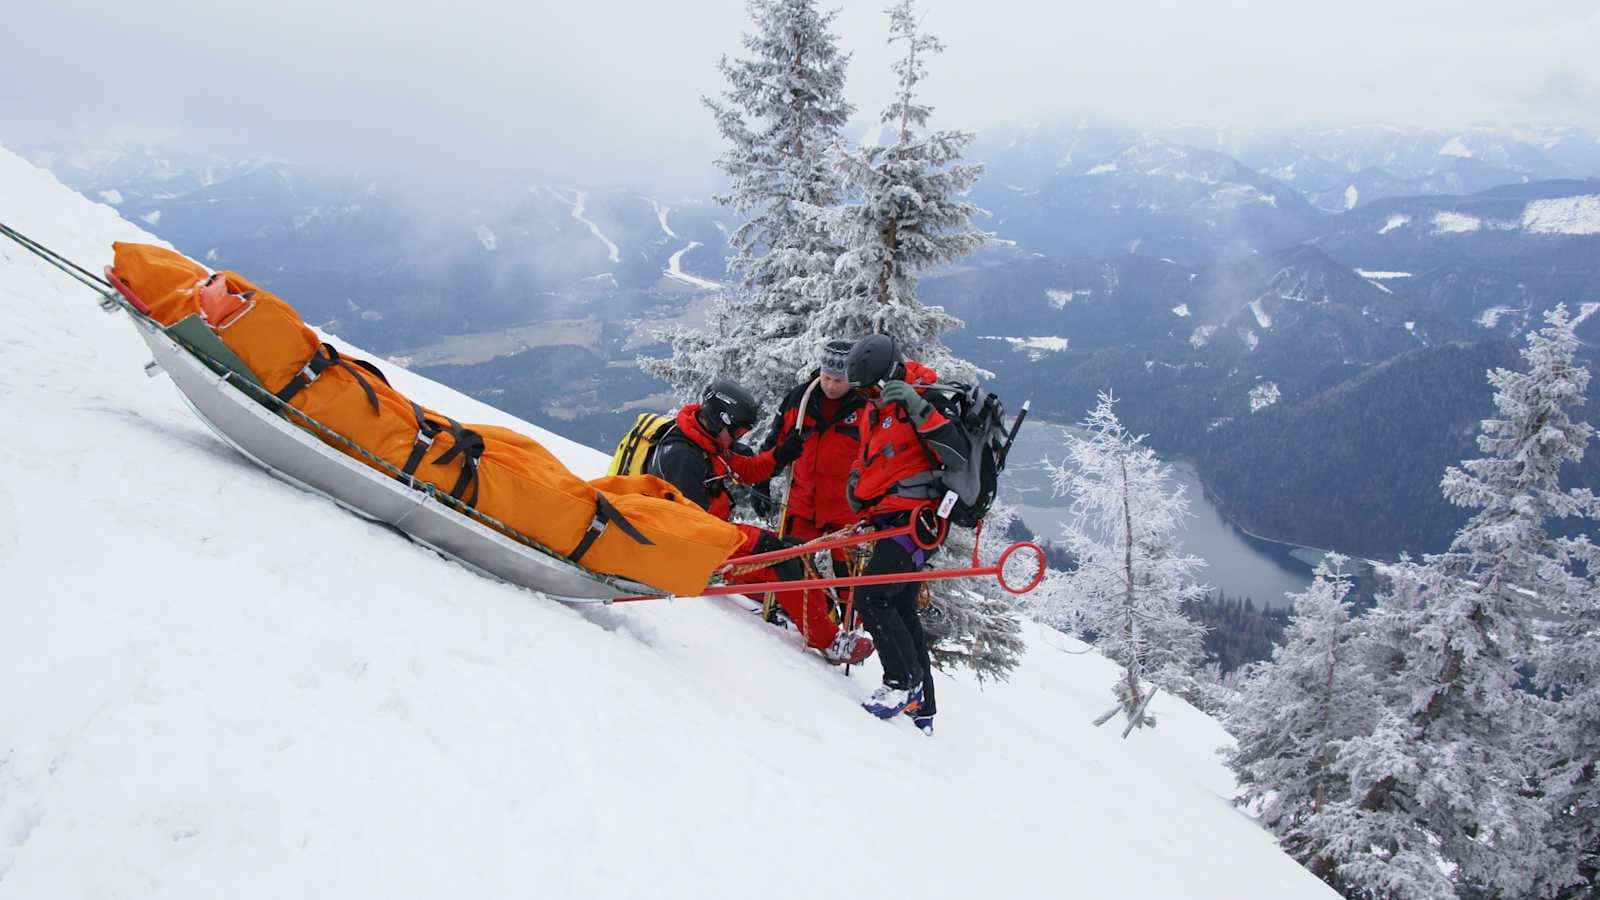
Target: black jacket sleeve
x=951 y=445
x=779 y=428
x=684 y=466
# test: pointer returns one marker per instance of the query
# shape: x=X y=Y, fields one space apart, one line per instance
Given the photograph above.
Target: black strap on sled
x=605 y=514
x=426 y=429
x=326 y=358
x=469 y=446
x=371 y=368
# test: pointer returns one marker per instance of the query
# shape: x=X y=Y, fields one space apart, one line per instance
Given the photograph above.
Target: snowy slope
x=212 y=684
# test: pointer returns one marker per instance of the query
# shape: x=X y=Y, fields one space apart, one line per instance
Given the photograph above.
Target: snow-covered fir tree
x=1568 y=659
x=1569 y=762
x=1291 y=713
x=908 y=217
x=780 y=114
x=1133 y=579
x=1444 y=795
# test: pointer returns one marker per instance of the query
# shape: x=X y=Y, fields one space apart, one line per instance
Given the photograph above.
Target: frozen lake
x=1239 y=564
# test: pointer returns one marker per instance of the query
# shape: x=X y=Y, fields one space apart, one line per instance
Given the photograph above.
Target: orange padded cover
x=520 y=483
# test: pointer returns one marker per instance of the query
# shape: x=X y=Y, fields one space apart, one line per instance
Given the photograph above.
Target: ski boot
x=887 y=702
x=848 y=647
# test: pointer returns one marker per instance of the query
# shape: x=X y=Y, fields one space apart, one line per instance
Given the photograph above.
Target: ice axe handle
x=1012 y=437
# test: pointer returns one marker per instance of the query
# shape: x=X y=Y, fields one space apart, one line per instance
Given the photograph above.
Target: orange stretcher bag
x=660 y=538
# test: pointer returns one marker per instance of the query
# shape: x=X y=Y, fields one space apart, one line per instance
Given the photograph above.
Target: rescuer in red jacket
x=829 y=431
x=701 y=455
x=904 y=442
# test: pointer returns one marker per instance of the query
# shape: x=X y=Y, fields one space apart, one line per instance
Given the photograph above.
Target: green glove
x=906 y=395
x=850 y=494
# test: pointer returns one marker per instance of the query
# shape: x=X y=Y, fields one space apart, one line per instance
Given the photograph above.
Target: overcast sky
x=581 y=91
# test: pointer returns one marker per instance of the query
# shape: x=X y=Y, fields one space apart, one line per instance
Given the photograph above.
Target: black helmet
x=727 y=405
x=873 y=359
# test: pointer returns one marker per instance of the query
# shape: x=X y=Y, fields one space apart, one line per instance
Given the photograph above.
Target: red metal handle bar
x=847 y=540
x=997 y=570
x=815 y=546
x=1038 y=571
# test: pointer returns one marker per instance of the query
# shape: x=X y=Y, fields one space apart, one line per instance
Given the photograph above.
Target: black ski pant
x=890 y=613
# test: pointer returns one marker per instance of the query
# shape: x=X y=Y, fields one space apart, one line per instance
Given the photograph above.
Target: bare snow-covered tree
x=781 y=115
x=908 y=218
x=1132 y=578
x=1448 y=785
x=1292 y=711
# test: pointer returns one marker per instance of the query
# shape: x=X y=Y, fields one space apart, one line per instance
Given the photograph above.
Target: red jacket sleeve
x=753 y=469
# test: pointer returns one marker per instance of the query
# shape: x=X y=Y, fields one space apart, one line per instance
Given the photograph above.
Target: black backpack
x=979 y=417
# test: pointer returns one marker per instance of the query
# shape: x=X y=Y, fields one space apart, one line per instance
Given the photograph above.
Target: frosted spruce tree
x=1132 y=579
x=1447 y=786
x=780 y=114
x=1568 y=659
x=908 y=217
x=1292 y=712
x=1569 y=766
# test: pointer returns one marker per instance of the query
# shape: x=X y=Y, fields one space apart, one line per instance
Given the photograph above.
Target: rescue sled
x=216 y=388
x=292 y=454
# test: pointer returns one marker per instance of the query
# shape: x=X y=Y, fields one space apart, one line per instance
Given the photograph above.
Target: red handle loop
x=126 y=291
x=1038 y=574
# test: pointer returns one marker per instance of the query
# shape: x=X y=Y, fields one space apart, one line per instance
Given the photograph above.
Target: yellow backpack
x=633 y=451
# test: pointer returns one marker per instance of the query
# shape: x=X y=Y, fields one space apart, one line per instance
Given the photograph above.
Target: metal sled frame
x=292 y=454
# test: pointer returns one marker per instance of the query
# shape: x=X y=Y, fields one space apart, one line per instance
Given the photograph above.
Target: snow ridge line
x=661 y=216
x=675 y=270
x=579 y=202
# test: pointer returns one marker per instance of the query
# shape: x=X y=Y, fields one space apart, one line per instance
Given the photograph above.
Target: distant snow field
x=1455 y=223
x=1034 y=347
x=1563 y=215
x=1394 y=222
x=1455 y=147
x=112 y=197
x=153 y=217
x=1264 y=395
x=1241 y=194
x=1490 y=318
x=1368 y=273
x=486 y=237
x=1262 y=317
x=1351 y=197
x=1181 y=310
x=1060 y=299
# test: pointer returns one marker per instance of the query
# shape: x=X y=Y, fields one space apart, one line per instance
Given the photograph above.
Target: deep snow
x=213 y=684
